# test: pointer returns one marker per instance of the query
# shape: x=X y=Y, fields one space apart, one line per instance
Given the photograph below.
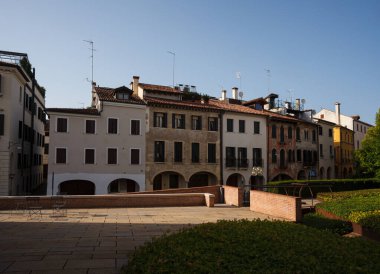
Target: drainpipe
x=221 y=146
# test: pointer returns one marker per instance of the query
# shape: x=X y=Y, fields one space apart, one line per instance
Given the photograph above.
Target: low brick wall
x=109 y=201
x=277 y=205
x=215 y=190
x=233 y=195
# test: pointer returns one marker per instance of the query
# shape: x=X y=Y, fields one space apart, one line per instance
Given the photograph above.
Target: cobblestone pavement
x=93 y=240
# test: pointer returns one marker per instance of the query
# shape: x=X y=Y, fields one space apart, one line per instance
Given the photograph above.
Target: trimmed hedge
x=318 y=221
x=362 y=207
x=337 y=185
x=255 y=247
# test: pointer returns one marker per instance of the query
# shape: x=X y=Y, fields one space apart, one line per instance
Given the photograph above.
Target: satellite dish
x=303 y=101
x=241 y=94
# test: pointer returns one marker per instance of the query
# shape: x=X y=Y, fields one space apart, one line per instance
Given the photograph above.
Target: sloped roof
x=153 y=101
x=234 y=107
x=108 y=95
x=83 y=111
x=159 y=88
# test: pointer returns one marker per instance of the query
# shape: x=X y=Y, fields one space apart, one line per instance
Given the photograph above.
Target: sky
x=323 y=51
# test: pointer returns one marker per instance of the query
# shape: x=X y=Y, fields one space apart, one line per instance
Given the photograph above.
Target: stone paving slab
x=94 y=240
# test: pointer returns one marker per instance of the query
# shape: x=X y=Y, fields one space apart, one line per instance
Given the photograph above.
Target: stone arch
x=235 y=179
x=202 y=178
x=301 y=175
x=168 y=179
x=328 y=173
x=77 y=187
x=123 y=185
x=322 y=173
x=282 y=177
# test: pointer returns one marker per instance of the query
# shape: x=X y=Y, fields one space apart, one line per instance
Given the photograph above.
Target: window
x=282 y=135
x=112 y=126
x=173 y=181
x=321 y=150
x=19 y=95
x=160 y=119
x=122 y=96
x=196 y=122
x=299 y=155
x=298 y=134
x=290 y=156
x=135 y=127
x=256 y=127
x=257 y=157
x=90 y=126
x=230 y=125
x=306 y=135
x=314 y=136
x=61 y=124
x=195 y=152
x=290 y=132
x=282 y=159
x=320 y=130
x=213 y=124
x=20 y=126
x=89 y=156
x=159 y=151
x=330 y=132
x=230 y=157
x=135 y=156
x=274 y=131
x=242 y=157
x=241 y=126
x=46 y=149
x=178 y=121
x=60 y=156
x=211 y=153
x=112 y=156
x=178 y=152
x=331 y=152
x=274 y=156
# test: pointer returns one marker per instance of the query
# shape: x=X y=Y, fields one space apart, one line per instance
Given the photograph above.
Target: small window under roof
x=123 y=93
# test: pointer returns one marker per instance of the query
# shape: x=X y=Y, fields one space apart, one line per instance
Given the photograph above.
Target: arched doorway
x=322 y=173
x=344 y=173
x=123 y=185
x=328 y=173
x=168 y=179
x=282 y=177
x=77 y=187
x=301 y=175
x=235 y=179
x=202 y=179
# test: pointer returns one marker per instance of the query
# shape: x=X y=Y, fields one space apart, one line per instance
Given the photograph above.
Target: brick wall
x=233 y=195
x=277 y=205
x=127 y=200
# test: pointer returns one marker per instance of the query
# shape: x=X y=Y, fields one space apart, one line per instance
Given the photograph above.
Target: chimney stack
x=135 y=85
x=298 y=104
x=93 y=94
x=235 y=93
x=337 y=113
x=224 y=95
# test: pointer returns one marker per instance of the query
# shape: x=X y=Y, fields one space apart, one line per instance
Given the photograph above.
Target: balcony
x=257 y=162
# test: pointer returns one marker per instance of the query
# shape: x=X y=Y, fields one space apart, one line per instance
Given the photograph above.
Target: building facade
x=101 y=149
x=326 y=149
x=344 y=150
x=22 y=118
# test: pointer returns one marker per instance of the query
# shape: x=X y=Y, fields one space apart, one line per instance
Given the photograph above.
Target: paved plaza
x=93 y=240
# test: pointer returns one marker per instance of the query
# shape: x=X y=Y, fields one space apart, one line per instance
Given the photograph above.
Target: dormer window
x=122 y=96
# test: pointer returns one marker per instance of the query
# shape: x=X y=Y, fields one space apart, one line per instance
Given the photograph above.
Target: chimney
x=135 y=85
x=224 y=95
x=298 y=104
x=337 y=113
x=93 y=94
x=235 y=93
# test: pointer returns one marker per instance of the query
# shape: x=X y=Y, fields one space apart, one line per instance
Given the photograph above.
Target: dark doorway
x=77 y=187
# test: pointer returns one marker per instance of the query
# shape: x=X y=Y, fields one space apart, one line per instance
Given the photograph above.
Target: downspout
x=32 y=129
x=221 y=146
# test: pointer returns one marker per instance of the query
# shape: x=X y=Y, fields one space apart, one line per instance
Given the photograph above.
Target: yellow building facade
x=343 y=149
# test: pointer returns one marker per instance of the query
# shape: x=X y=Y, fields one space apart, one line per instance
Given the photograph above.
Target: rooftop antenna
x=173 y=53
x=92 y=58
x=290 y=91
x=238 y=76
x=268 y=76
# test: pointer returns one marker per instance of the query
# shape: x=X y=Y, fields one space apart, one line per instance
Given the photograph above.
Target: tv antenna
x=173 y=53
x=241 y=94
x=92 y=58
x=269 y=77
x=238 y=76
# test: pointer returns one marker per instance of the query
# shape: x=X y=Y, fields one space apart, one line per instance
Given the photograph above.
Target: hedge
x=337 y=185
x=255 y=247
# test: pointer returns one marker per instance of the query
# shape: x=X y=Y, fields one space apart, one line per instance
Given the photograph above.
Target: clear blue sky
x=323 y=50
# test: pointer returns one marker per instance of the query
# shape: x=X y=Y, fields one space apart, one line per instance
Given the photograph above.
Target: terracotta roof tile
x=159 y=88
x=184 y=104
x=234 y=107
x=108 y=94
x=84 y=111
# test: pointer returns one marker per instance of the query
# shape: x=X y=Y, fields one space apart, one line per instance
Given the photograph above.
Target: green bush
x=320 y=222
x=328 y=196
x=255 y=247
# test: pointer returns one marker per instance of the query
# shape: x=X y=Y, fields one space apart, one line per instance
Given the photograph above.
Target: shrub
x=320 y=222
x=255 y=247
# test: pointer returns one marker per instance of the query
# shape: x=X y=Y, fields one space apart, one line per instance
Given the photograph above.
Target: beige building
x=101 y=149
x=22 y=119
x=326 y=149
x=182 y=139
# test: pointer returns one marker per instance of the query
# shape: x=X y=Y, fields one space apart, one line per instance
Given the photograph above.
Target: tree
x=368 y=157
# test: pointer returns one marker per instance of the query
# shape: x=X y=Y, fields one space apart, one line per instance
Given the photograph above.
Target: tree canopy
x=368 y=157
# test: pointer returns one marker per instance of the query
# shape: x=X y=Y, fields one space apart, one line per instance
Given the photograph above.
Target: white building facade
x=326 y=149
x=22 y=119
x=98 y=150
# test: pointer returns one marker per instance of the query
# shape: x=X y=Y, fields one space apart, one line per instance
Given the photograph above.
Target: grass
x=362 y=207
x=255 y=247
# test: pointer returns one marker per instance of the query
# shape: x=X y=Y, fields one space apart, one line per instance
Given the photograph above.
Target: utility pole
x=173 y=53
